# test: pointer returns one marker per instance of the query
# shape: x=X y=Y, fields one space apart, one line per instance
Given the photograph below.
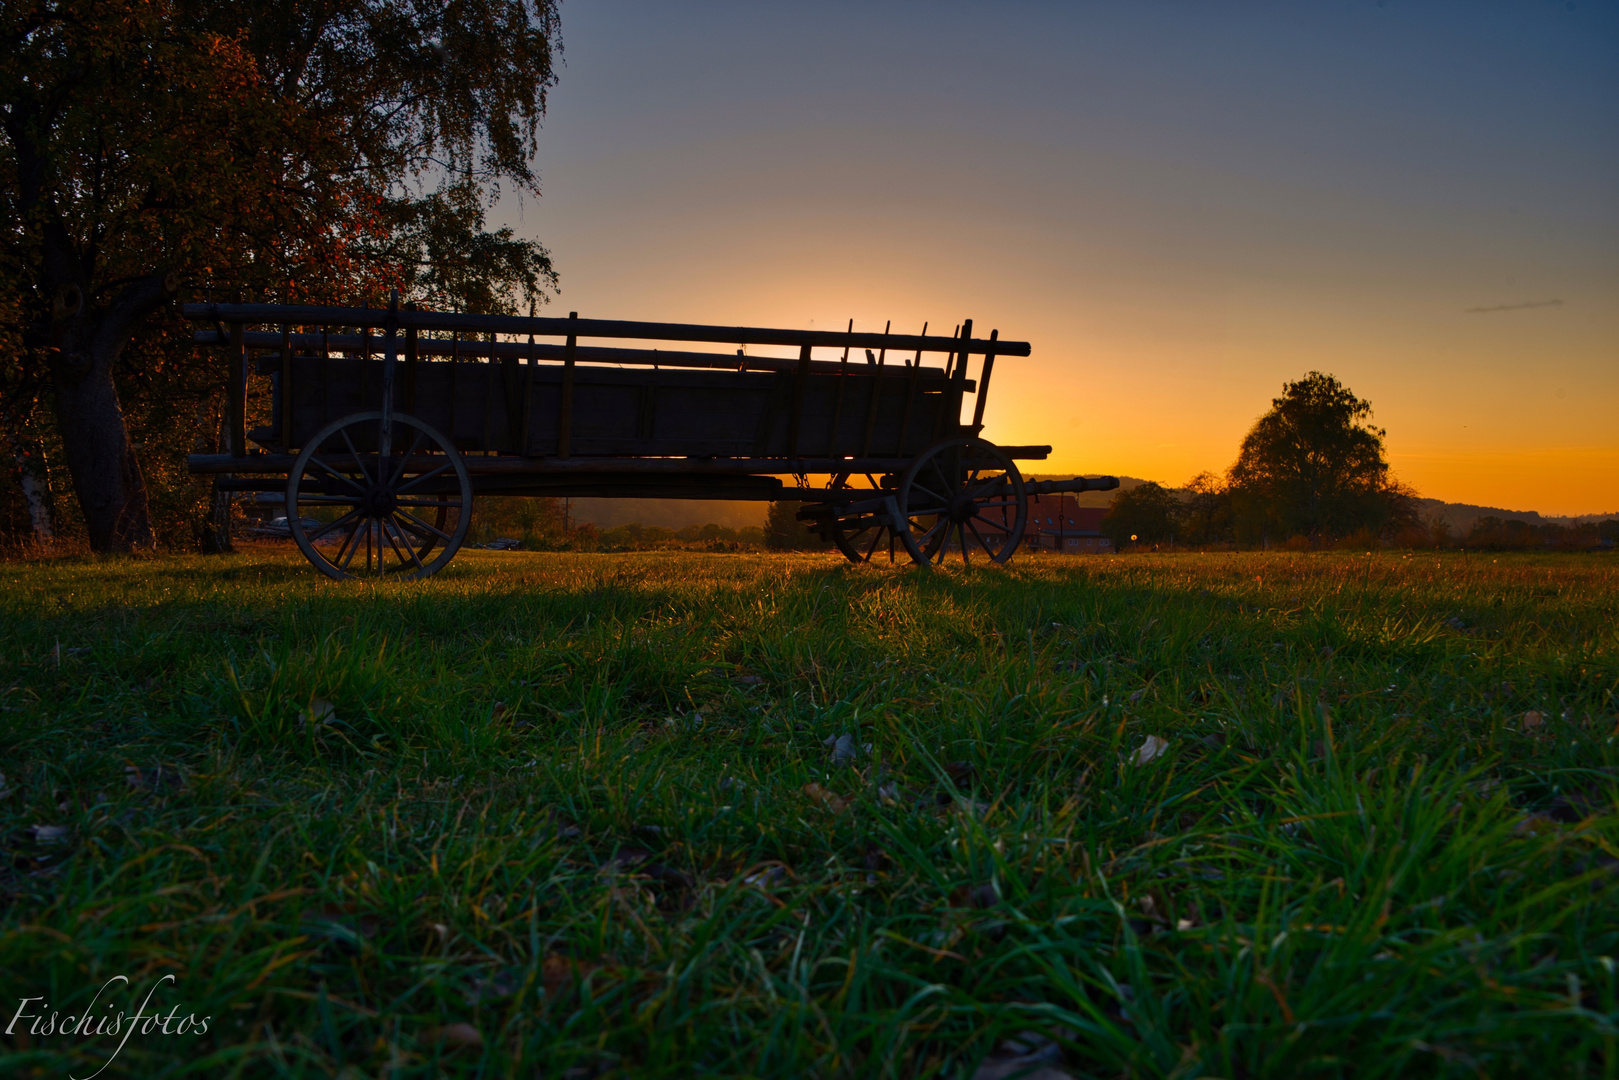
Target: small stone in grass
x=320 y=711
x=50 y=834
x=1531 y=720
x=500 y=710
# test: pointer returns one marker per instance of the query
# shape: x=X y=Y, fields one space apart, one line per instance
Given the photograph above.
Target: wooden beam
x=983 y=386
x=236 y=394
x=286 y=386
x=565 y=416
x=410 y=369
x=488 y=466
x=796 y=417
x=593 y=328
x=584 y=354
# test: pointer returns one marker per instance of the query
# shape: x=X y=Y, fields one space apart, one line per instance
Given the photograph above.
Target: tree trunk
x=33 y=494
x=106 y=476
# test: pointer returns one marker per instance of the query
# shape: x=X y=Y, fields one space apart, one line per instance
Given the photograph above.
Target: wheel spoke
x=404 y=461
x=941 y=500
x=363 y=471
x=448 y=504
x=876 y=537
x=384 y=524
x=992 y=523
x=431 y=530
x=399 y=528
x=981 y=541
x=961 y=534
x=354 y=538
x=329 y=526
x=318 y=463
x=327 y=500
x=425 y=476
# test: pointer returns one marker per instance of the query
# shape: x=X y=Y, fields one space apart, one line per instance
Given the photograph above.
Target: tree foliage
x=1145 y=514
x=269 y=149
x=1313 y=465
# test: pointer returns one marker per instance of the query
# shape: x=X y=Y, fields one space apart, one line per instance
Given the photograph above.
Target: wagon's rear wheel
x=962 y=494
x=378 y=516
x=863 y=534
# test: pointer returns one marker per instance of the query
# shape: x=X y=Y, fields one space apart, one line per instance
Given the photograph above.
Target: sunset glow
x=1180 y=209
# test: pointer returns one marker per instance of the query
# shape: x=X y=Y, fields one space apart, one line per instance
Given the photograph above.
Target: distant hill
x=1462 y=515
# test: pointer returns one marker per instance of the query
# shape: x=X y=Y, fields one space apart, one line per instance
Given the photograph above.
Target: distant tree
x=785 y=532
x=280 y=149
x=1203 y=515
x=1144 y=514
x=1314 y=466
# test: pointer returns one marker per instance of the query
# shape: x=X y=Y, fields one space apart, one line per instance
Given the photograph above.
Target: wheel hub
x=963 y=508
x=378 y=501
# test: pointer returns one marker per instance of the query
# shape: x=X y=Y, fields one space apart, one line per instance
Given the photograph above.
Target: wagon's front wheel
x=962 y=494
x=860 y=535
x=379 y=516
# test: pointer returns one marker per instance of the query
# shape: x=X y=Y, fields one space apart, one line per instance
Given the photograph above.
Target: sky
x=1181 y=206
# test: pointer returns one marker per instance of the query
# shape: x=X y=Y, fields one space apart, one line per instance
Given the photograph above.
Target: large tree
x=1314 y=465
x=275 y=148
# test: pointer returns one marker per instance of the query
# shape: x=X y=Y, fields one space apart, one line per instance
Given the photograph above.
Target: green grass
x=585 y=806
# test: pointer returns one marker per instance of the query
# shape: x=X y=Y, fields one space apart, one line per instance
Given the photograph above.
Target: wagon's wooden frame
x=384 y=415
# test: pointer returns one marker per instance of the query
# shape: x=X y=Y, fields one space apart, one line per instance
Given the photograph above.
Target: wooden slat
x=565 y=416
x=236 y=395
x=286 y=386
x=592 y=328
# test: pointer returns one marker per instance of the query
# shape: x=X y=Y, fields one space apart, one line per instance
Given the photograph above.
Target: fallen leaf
x=629 y=856
x=1535 y=825
x=156 y=780
x=1026 y=1056
x=345 y=920
x=983 y=896
x=1531 y=719
x=500 y=710
x=960 y=770
x=503 y=984
x=749 y=680
x=1153 y=747
x=558 y=973
x=50 y=834
x=1215 y=741
x=454 y=1035
x=844 y=750
x=828 y=800
x=320 y=711
x=766 y=877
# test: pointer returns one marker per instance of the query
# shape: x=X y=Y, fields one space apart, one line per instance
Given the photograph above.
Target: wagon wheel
x=398 y=510
x=860 y=536
x=967 y=488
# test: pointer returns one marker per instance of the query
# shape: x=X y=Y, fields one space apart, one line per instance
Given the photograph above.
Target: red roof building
x=1059 y=523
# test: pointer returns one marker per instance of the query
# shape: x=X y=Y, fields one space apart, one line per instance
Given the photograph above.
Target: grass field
x=658 y=814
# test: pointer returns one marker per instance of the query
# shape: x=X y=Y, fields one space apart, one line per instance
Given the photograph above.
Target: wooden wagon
x=386 y=423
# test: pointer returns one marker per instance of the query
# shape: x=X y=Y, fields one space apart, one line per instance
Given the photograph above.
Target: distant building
x=1059 y=523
